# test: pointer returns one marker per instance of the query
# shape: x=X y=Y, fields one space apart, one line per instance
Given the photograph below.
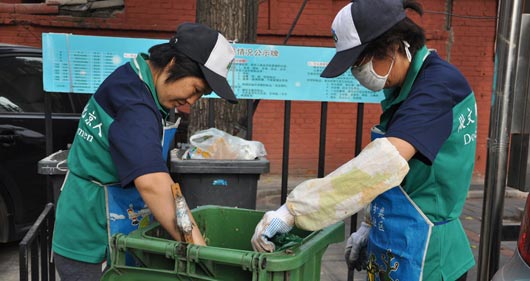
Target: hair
x=404 y=30
x=162 y=55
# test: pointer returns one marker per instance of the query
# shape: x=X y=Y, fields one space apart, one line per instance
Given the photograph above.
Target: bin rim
x=259 y=165
x=51 y=166
x=288 y=259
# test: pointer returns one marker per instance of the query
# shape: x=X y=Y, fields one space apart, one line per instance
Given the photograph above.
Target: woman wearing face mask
x=415 y=174
x=118 y=180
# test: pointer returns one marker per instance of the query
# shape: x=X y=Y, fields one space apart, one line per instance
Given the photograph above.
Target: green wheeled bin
x=228 y=256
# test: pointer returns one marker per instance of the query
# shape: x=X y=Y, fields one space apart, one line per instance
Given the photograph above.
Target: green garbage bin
x=54 y=166
x=228 y=256
x=231 y=183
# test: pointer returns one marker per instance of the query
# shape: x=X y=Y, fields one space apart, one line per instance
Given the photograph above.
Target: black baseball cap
x=211 y=51
x=356 y=25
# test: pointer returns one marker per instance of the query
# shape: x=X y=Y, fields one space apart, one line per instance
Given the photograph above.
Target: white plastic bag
x=216 y=144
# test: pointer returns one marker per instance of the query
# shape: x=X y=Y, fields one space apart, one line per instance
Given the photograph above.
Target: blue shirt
x=135 y=134
x=425 y=118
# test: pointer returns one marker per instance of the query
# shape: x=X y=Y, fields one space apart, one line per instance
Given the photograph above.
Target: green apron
x=423 y=195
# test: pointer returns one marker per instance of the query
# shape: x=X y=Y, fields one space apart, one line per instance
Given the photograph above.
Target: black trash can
x=231 y=183
x=54 y=166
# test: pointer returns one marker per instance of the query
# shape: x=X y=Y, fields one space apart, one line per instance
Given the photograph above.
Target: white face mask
x=367 y=76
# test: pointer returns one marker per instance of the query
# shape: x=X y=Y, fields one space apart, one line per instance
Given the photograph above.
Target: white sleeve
x=317 y=203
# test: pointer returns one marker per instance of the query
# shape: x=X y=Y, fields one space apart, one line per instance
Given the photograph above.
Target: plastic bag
x=216 y=144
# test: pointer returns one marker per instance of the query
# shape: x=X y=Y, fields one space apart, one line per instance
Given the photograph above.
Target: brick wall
x=24 y=23
x=467 y=41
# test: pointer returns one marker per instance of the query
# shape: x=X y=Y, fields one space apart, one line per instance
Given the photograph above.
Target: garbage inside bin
x=55 y=166
x=230 y=183
x=228 y=256
x=216 y=144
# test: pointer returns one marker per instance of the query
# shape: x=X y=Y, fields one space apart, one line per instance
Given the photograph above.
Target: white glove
x=356 y=244
x=273 y=222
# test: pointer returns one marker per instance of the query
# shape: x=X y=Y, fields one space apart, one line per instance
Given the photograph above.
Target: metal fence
x=35 y=248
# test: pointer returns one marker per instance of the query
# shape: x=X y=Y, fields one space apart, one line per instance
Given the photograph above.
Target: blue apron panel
x=169 y=135
x=126 y=210
x=376 y=133
x=398 y=239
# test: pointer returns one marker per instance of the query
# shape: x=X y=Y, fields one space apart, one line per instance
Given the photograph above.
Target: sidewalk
x=333 y=266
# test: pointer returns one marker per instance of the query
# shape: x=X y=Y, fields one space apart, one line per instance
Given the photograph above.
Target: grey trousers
x=72 y=270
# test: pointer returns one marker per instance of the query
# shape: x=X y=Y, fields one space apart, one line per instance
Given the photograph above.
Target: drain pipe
x=509 y=24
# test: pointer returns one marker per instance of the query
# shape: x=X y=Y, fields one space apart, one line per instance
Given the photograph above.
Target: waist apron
x=126 y=210
x=399 y=236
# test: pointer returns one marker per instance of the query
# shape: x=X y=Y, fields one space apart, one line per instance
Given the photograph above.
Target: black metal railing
x=35 y=248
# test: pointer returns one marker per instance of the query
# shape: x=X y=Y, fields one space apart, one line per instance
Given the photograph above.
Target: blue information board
x=79 y=63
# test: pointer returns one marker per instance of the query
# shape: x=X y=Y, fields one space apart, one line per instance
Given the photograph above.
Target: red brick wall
x=468 y=44
x=138 y=19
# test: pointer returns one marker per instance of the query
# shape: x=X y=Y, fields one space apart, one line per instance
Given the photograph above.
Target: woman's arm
x=155 y=189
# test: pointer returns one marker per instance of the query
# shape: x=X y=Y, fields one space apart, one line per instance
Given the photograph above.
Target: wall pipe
x=322 y=142
x=498 y=139
x=285 y=159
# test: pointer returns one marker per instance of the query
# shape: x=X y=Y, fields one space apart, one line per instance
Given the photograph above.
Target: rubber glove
x=355 y=251
x=273 y=222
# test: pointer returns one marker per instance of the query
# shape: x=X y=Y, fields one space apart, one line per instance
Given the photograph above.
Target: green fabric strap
x=140 y=66
x=388 y=104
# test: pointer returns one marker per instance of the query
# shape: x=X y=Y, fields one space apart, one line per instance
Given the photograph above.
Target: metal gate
x=35 y=248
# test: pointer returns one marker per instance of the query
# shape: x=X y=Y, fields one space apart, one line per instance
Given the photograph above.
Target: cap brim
x=341 y=61
x=219 y=85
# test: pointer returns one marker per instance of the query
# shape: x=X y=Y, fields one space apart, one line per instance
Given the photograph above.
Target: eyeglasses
x=361 y=61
